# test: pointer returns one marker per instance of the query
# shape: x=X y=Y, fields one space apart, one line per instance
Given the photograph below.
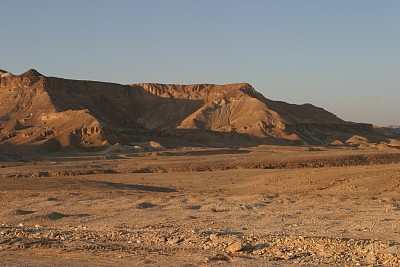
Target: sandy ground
x=197 y=207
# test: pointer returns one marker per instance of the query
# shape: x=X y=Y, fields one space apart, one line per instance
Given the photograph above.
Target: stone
x=235 y=247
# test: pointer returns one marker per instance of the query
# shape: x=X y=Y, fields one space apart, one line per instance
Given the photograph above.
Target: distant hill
x=48 y=114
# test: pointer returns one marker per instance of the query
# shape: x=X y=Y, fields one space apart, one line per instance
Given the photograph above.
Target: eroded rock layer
x=50 y=114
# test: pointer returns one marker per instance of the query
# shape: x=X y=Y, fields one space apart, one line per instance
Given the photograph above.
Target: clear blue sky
x=342 y=55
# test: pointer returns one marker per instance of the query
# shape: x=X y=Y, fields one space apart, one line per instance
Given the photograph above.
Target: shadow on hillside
x=119 y=105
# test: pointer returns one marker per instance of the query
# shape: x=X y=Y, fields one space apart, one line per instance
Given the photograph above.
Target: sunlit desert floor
x=270 y=206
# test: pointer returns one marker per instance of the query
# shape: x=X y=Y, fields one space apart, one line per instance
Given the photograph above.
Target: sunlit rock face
x=51 y=114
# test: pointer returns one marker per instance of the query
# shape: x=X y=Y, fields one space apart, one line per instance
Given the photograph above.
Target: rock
x=213 y=237
x=235 y=247
x=31 y=73
x=6 y=74
x=174 y=240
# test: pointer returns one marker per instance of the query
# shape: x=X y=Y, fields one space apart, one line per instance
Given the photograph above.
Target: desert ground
x=263 y=206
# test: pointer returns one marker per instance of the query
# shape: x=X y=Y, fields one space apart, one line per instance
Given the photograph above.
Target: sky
x=341 y=55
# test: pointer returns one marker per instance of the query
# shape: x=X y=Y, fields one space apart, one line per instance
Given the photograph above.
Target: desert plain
x=265 y=206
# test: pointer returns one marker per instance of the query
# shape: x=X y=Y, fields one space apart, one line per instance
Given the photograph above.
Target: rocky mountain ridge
x=51 y=114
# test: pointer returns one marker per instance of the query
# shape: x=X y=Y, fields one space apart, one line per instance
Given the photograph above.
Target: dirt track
x=55 y=213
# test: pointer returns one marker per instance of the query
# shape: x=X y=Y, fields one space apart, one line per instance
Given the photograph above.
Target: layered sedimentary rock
x=55 y=113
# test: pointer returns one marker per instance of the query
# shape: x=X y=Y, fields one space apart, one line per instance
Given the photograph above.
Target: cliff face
x=54 y=113
x=29 y=116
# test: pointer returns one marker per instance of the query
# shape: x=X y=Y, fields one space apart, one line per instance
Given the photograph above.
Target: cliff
x=54 y=113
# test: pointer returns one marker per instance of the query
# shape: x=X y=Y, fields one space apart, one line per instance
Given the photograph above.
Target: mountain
x=49 y=114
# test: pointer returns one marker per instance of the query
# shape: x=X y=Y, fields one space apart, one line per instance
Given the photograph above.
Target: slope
x=48 y=114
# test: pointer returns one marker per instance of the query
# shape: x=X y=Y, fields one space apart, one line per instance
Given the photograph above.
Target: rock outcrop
x=51 y=114
x=31 y=73
x=4 y=73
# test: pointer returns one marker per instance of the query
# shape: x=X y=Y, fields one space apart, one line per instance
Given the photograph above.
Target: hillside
x=48 y=114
